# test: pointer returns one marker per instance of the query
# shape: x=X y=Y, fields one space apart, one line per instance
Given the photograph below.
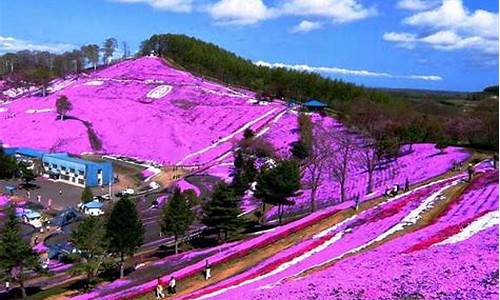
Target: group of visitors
x=172 y=284
x=171 y=288
x=389 y=192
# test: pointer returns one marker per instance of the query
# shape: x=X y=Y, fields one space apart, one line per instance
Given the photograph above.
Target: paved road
x=204 y=183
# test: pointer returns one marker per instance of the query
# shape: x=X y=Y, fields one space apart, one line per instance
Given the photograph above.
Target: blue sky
x=431 y=44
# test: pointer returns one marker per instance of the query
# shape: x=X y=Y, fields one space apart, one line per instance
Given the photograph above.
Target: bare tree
x=315 y=165
x=340 y=161
x=368 y=160
x=126 y=49
x=109 y=48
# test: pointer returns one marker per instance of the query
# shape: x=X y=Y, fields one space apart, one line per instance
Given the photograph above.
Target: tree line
x=370 y=111
x=26 y=67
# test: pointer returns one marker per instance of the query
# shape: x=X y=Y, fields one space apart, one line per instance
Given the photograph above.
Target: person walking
x=407 y=184
x=172 y=286
x=470 y=171
x=208 y=269
x=28 y=195
x=356 y=202
x=39 y=198
x=159 y=290
x=60 y=193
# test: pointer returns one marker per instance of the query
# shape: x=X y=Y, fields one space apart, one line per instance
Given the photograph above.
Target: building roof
x=93 y=205
x=25 y=151
x=66 y=157
x=315 y=103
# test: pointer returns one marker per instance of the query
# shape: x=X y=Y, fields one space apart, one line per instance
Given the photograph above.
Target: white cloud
x=237 y=12
x=306 y=26
x=168 y=5
x=416 y=4
x=451 y=26
x=247 y=12
x=400 y=37
x=349 y=72
x=338 y=11
x=10 y=44
x=453 y=15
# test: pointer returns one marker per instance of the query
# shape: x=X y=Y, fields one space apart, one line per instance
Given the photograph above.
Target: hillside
x=444 y=117
x=139 y=108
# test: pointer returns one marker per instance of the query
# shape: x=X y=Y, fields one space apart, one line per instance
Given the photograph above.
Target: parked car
x=126 y=192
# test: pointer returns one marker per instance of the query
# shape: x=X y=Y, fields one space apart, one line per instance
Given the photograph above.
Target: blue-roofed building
x=77 y=171
x=92 y=208
x=315 y=105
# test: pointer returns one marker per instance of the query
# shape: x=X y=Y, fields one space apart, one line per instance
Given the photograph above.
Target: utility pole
x=110 y=186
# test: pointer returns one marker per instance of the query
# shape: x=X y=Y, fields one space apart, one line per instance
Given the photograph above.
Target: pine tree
x=124 y=230
x=27 y=174
x=176 y=217
x=222 y=211
x=276 y=185
x=87 y=195
x=245 y=173
x=16 y=255
x=89 y=238
x=8 y=164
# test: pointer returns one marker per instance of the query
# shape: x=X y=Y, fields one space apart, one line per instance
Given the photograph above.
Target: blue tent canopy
x=10 y=188
x=313 y=103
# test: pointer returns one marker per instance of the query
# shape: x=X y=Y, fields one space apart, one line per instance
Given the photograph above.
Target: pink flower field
x=421 y=163
x=134 y=114
x=394 y=269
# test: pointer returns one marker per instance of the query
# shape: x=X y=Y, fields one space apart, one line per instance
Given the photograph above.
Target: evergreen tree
x=276 y=185
x=87 y=195
x=222 y=211
x=176 y=217
x=124 y=230
x=63 y=106
x=299 y=150
x=245 y=173
x=8 y=164
x=17 y=257
x=248 y=134
x=89 y=238
x=27 y=174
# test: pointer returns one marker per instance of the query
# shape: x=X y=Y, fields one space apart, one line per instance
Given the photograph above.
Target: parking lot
x=46 y=189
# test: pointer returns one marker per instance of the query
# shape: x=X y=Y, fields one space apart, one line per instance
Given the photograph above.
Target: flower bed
x=347 y=237
x=240 y=250
x=461 y=270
